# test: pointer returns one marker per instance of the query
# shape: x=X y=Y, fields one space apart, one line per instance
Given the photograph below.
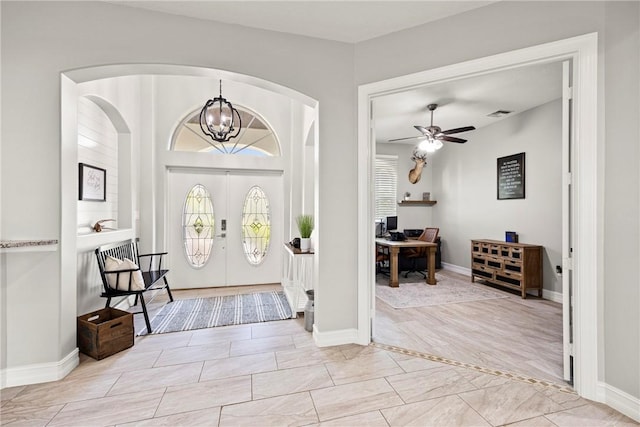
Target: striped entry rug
x=199 y=313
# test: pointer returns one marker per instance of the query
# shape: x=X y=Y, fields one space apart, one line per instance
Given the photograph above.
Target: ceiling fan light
x=430 y=145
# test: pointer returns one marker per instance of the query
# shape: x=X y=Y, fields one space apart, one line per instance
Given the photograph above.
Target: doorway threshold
x=497 y=372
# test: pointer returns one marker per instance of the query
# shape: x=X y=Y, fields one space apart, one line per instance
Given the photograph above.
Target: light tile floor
x=508 y=333
x=272 y=374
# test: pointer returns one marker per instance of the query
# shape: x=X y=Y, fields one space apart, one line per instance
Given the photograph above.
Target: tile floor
x=509 y=333
x=272 y=374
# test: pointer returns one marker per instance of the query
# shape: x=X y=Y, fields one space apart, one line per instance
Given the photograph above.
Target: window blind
x=386 y=185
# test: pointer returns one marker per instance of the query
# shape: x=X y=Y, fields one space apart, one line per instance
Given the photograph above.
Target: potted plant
x=305 y=226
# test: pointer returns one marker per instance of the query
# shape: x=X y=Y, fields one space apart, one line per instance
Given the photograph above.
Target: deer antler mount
x=420 y=158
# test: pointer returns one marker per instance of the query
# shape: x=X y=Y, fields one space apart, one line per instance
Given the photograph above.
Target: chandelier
x=219 y=119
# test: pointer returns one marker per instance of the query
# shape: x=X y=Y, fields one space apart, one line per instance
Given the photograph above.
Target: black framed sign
x=93 y=183
x=511 y=177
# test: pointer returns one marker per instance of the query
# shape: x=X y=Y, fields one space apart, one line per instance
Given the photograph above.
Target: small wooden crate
x=105 y=332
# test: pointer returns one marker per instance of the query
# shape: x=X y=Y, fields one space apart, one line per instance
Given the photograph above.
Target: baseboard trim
x=551 y=295
x=620 y=400
x=456 y=269
x=40 y=372
x=546 y=294
x=327 y=339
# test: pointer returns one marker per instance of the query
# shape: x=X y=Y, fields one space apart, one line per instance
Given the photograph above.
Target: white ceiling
x=461 y=102
x=345 y=21
x=467 y=102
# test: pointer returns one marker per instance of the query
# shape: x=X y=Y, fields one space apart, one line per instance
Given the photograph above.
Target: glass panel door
x=228 y=263
x=240 y=271
x=213 y=271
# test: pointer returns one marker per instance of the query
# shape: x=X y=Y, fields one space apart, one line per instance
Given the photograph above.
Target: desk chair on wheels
x=412 y=255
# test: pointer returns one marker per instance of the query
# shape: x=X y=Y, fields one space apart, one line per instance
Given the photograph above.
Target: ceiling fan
x=434 y=133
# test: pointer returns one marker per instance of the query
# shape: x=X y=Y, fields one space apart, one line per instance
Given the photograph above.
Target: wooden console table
x=513 y=265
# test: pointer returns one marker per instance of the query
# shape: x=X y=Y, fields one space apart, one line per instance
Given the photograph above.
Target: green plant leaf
x=305 y=225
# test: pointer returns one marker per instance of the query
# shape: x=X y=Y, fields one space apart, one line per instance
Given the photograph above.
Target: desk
x=394 y=249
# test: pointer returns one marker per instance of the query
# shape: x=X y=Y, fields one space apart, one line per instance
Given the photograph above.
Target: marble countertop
x=6 y=244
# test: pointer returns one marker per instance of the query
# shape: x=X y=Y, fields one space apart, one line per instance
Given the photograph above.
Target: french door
x=222 y=254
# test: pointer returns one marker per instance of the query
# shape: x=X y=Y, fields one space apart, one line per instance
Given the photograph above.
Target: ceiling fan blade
x=407 y=139
x=424 y=130
x=458 y=130
x=451 y=139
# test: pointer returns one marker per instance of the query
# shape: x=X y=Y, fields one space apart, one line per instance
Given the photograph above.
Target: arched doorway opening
x=132 y=91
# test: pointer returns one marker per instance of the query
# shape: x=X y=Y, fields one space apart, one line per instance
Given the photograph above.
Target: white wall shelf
x=92 y=240
x=417 y=203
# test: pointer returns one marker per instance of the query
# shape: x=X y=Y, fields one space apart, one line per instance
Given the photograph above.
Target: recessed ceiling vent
x=499 y=113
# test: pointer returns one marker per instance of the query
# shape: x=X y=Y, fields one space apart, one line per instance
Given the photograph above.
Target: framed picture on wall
x=93 y=183
x=511 y=177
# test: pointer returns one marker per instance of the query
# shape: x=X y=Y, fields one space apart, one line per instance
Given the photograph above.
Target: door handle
x=221 y=235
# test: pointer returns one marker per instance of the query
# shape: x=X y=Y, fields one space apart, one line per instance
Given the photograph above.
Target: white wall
x=505 y=26
x=621 y=233
x=465 y=178
x=95 y=33
x=411 y=216
x=97 y=146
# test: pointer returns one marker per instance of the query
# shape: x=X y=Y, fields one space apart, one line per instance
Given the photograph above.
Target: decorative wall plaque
x=511 y=177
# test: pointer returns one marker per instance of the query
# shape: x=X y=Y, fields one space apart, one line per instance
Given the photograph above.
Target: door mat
x=200 y=313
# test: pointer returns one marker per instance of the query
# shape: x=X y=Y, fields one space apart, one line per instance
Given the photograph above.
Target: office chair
x=414 y=254
x=382 y=259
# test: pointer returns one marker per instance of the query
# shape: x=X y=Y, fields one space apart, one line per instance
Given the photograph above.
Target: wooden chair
x=412 y=255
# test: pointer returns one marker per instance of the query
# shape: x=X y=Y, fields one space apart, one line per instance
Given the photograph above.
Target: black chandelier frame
x=225 y=132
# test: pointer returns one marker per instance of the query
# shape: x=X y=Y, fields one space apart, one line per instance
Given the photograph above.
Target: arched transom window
x=256 y=138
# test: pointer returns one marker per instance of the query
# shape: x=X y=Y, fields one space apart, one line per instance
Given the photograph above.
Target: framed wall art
x=511 y=177
x=93 y=183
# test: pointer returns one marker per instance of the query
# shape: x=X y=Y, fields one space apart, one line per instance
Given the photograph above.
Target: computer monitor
x=379 y=228
x=392 y=223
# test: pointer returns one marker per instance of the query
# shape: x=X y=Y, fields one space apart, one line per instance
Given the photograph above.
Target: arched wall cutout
x=112 y=112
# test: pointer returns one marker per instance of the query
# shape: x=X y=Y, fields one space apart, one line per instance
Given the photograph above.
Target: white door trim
x=567 y=267
x=586 y=218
